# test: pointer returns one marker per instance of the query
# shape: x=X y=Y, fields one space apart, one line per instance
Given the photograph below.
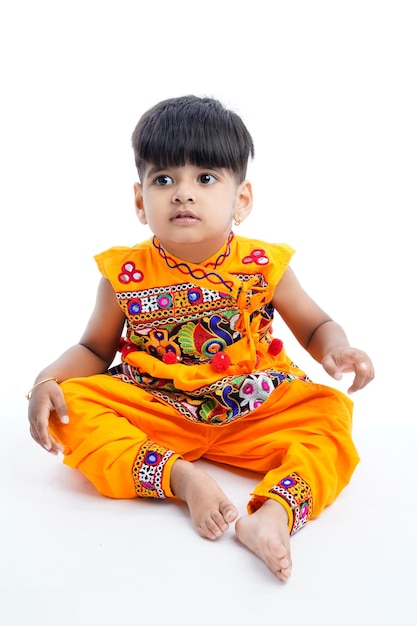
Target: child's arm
x=323 y=338
x=92 y=355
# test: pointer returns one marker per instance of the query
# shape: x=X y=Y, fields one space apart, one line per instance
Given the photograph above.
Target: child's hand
x=44 y=399
x=343 y=360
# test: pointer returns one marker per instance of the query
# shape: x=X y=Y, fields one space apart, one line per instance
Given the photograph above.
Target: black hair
x=189 y=129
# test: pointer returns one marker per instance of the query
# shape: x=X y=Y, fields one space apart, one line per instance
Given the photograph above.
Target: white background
x=328 y=91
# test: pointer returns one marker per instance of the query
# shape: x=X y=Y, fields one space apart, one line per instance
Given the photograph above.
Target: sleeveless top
x=199 y=337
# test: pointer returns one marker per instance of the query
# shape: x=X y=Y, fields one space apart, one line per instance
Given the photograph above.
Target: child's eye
x=163 y=180
x=207 y=179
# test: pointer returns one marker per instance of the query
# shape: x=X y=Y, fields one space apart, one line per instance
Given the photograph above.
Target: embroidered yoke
x=214 y=323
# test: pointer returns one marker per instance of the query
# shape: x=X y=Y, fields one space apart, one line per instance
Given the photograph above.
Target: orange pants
x=125 y=442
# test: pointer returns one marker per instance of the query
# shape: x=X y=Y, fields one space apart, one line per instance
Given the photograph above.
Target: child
x=201 y=374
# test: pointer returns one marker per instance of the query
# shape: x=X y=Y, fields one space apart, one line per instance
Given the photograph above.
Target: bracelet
x=45 y=380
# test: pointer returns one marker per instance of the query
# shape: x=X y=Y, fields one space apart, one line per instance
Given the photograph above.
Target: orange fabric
x=303 y=428
x=261 y=414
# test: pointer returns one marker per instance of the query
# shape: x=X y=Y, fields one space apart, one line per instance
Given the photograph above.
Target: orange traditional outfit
x=201 y=375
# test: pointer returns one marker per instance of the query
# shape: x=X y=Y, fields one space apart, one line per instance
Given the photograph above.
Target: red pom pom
x=275 y=347
x=221 y=361
x=169 y=357
x=122 y=344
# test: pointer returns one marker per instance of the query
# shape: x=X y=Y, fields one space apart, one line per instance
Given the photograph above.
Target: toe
x=284 y=574
x=228 y=511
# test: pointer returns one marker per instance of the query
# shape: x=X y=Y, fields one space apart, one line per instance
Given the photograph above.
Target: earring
x=237 y=220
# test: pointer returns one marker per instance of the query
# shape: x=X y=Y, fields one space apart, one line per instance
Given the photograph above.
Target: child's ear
x=244 y=199
x=140 y=209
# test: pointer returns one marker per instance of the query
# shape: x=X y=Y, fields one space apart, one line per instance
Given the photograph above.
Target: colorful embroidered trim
x=169 y=306
x=148 y=469
x=297 y=493
x=219 y=403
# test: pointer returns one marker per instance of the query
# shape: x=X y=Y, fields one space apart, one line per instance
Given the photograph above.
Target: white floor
x=328 y=91
x=72 y=557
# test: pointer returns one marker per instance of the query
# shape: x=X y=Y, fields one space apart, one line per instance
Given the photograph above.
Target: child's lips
x=184 y=217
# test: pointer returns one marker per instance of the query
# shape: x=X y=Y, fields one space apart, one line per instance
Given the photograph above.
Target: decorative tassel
x=122 y=344
x=169 y=357
x=275 y=347
x=221 y=362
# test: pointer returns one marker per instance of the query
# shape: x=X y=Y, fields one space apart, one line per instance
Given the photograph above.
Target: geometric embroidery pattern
x=148 y=469
x=222 y=402
x=171 y=304
x=297 y=493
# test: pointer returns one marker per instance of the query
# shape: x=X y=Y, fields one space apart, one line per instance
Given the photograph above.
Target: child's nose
x=183 y=194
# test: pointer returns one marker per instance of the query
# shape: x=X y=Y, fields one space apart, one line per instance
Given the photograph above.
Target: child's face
x=190 y=209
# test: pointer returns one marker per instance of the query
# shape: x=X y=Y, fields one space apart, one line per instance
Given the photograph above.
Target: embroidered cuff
x=149 y=469
x=296 y=493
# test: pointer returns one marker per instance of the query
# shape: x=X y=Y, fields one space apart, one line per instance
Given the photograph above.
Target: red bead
x=125 y=347
x=275 y=347
x=221 y=361
x=169 y=357
x=129 y=347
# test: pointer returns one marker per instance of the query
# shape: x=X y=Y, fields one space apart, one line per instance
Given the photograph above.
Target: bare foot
x=265 y=533
x=210 y=509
